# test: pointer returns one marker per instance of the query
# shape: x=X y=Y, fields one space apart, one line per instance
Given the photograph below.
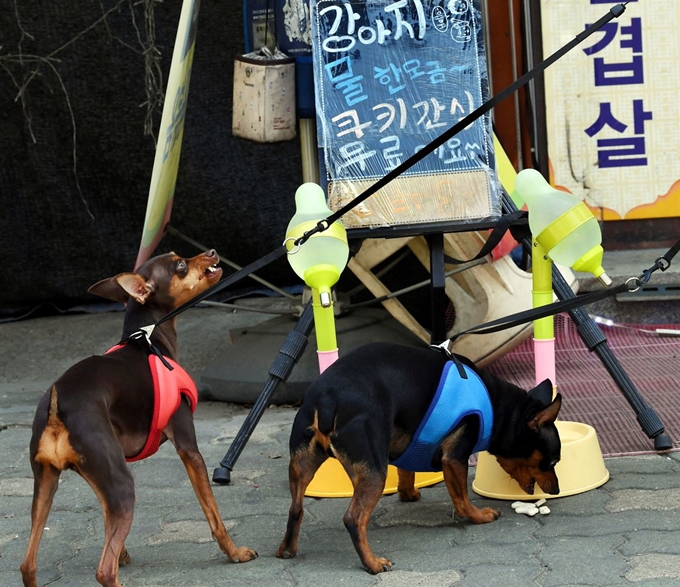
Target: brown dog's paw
x=284 y=553
x=381 y=565
x=124 y=558
x=410 y=495
x=244 y=554
x=484 y=515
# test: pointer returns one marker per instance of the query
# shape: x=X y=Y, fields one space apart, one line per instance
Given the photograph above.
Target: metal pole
x=290 y=352
x=308 y=149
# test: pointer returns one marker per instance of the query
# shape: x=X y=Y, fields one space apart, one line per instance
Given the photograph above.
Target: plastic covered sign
x=389 y=78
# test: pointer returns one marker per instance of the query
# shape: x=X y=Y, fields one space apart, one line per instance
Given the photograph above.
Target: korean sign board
x=612 y=106
x=391 y=76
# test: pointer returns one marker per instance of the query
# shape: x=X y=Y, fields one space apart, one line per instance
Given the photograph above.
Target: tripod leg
x=596 y=341
x=290 y=352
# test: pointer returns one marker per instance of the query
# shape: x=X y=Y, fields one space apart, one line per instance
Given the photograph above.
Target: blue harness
x=458 y=395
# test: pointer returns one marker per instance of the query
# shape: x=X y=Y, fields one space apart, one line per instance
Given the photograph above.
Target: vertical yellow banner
x=166 y=162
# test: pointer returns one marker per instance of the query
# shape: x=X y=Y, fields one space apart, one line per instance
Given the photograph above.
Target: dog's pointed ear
x=122 y=287
x=543 y=392
x=547 y=415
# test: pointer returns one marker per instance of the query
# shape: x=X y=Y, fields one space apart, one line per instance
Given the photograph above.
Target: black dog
x=370 y=406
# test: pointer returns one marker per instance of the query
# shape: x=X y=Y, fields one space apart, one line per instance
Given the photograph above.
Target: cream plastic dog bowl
x=580 y=469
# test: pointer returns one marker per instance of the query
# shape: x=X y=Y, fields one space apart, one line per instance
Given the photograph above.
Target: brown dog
x=104 y=411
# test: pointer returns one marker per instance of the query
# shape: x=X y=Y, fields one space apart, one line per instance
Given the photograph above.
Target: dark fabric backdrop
x=64 y=228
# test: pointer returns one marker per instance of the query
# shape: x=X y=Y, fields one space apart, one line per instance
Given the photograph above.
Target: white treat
x=544 y=510
x=528 y=509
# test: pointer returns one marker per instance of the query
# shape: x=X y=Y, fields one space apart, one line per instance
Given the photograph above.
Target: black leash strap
x=145 y=332
x=631 y=285
x=545 y=311
x=662 y=263
x=233 y=278
x=613 y=13
x=450 y=357
x=322 y=225
x=505 y=223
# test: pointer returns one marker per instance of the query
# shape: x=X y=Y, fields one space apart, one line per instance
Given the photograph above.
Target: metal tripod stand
x=594 y=339
x=295 y=343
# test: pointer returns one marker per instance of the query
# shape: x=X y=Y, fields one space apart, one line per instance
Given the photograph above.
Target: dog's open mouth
x=213 y=273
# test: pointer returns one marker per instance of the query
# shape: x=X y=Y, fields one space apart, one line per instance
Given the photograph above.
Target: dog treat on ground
x=528 y=509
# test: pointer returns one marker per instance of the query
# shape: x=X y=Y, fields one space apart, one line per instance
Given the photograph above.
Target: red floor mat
x=590 y=395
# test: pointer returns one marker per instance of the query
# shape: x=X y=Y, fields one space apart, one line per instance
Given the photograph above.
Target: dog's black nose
x=211 y=253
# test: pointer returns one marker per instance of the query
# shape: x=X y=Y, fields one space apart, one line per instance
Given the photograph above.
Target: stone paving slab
x=626 y=532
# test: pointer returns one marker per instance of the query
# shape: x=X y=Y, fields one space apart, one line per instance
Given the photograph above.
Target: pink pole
x=544 y=357
x=326 y=359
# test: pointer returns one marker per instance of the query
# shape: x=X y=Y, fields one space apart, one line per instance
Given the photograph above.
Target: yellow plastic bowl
x=331 y=480
x=580 y=469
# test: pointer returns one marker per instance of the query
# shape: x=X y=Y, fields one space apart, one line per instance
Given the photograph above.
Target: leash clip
x=321 y=226
x=451 y=357
x=145 y=333
x=638 y=282
x=296 y=245
x=662 y=263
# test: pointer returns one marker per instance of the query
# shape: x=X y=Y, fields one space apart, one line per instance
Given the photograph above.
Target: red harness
x=168 y=388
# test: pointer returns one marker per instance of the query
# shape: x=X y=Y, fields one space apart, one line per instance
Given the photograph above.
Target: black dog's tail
x=326 y=412
x=315 y=425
